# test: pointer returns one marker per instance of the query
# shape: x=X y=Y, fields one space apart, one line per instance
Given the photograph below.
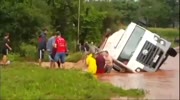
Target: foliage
x=75 y=57
x=25 y=19
x=92 y=25
x=156 y=13
x=28 y=51
x=27 y=81
x=14 y=57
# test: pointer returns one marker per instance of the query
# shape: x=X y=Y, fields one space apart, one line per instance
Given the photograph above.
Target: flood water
x=163 y=84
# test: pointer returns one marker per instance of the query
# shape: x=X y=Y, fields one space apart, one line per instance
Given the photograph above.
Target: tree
x=23 y=18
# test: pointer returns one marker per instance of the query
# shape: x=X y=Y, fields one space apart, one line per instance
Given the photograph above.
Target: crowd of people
x=100 y=62
x=56 y=46
x=96 y=61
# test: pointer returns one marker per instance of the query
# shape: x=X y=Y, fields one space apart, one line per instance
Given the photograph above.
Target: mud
x=163 y=84
x=68 y=65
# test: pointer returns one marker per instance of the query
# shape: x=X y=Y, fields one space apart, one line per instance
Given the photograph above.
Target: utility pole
x=78 y=30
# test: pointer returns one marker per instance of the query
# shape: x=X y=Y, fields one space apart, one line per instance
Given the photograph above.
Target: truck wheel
x=172 y=52
x=163 y=61
x=138 y=70
x=118 y=68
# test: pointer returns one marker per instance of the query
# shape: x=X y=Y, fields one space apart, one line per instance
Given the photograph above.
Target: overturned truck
x=137 y=49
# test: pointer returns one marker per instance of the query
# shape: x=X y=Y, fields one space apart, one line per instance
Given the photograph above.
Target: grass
x=167 y=33
x=22 y=80
x=74 y=57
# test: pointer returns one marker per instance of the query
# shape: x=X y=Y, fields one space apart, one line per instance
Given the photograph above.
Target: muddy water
x=163 y=84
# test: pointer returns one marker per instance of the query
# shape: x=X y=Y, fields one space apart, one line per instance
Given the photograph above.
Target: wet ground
x=163 y=84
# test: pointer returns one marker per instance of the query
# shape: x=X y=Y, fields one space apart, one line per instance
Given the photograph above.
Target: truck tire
x=163 y=61
x=172 y=52
x=138 y=70
x=118 y=69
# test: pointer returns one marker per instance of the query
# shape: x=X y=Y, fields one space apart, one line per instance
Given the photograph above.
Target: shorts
x=40 y=54
x=60 y=57
x=5 y=51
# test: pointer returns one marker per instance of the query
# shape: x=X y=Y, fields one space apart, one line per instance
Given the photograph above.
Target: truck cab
x=138 y=48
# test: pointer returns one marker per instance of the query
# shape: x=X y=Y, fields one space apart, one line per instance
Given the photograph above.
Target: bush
x=72 y=45
x=75 y=57
x=14 y=57
x=28 y=51
x=167 y=33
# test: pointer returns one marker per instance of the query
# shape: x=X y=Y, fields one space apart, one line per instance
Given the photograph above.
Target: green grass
x=167 y=33
x=23 y=81
x=74 y=57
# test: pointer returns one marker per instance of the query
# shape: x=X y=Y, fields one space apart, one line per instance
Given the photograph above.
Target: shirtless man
x=108 y=62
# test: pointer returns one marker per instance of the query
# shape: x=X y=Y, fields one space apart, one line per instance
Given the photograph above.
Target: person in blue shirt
x=52 y=50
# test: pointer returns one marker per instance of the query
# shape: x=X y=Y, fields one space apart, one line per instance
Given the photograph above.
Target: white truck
x=137 y=49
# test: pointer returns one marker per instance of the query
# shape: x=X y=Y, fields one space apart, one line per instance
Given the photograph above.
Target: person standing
x=93 y=47
x=42 y=45
x=5 y=48
x=105 y=38
x=52 y=50
x=86 y=47
x=61 y=49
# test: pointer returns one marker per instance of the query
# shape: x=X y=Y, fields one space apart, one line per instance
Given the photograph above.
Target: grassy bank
x=21 y=81
x=167 y=33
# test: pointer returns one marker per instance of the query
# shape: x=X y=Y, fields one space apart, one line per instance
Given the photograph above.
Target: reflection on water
x=163 y=84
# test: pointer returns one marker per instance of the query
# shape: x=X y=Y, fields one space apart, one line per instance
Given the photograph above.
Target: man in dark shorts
x=42 y=45
x=61 y=49
x=5 y=48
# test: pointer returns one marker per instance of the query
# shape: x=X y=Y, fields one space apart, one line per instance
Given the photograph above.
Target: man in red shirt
x=61 y=49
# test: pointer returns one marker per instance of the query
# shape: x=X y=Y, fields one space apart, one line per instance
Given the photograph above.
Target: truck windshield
x=131 y=44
